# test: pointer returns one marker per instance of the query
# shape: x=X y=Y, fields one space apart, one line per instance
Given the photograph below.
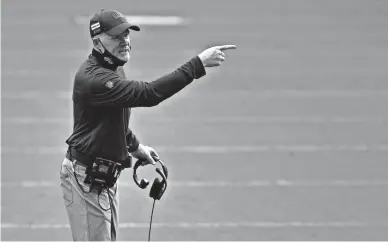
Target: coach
x=102 y=102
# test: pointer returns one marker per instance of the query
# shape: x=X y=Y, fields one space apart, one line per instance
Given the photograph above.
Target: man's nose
x=125 y=41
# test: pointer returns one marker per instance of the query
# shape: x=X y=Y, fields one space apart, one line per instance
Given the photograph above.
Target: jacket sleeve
x=132 y=141
x=108 y=89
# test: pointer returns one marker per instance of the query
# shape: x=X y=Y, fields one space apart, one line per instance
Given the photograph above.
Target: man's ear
x=97 y=45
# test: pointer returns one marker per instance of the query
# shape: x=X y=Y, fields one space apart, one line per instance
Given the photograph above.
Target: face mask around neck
x=109 y=58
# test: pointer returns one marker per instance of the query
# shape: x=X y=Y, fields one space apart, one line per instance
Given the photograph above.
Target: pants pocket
x=66 y=187
x=80 y=176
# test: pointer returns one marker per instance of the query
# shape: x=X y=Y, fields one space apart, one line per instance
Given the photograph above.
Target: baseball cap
x=110 y=22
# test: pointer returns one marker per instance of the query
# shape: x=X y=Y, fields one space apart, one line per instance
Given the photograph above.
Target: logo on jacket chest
x=109 y=84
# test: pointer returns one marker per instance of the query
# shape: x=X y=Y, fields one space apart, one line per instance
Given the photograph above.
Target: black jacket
x=102 y=102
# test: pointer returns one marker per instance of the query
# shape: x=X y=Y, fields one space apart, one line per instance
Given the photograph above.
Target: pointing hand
x=214 y=56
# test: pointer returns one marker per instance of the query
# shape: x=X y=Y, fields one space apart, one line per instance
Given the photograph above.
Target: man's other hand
x=214 y=56
x=147 y=153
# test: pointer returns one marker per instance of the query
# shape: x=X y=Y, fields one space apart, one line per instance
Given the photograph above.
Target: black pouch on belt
x=103 y=173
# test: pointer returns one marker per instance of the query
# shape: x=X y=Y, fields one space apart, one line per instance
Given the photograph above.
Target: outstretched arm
x=108 y=89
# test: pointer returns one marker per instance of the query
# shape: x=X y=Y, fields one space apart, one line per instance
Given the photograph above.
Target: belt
x=87 y=160
x=80 y=158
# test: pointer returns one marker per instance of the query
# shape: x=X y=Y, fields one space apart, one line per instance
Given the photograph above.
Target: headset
x=158 y=186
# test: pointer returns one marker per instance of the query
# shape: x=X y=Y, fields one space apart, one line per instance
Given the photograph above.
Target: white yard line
x=155 y=20
x=286 y=93
x=53 y=150
x=215 y=225
x=225 y=184
x=216 y=119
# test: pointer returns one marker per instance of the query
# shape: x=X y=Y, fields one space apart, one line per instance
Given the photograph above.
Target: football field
x=287 y=140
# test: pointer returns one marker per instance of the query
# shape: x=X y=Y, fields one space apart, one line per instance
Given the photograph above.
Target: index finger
x=154 y=155
x=149 y=159
x=227 y=47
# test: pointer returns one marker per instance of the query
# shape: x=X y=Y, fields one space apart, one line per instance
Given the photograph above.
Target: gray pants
x=88 y=221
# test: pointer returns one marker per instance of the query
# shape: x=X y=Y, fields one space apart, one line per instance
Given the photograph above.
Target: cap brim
x=121 y=28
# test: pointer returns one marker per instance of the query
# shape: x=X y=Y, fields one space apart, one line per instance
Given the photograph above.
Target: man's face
x=118 y=45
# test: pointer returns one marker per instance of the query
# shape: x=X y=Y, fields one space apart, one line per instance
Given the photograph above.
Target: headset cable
x=152 y=213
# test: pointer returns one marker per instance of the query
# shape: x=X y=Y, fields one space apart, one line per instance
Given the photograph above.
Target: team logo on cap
x=117 y=15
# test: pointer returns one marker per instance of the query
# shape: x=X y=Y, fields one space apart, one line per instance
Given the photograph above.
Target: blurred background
x=288 y=140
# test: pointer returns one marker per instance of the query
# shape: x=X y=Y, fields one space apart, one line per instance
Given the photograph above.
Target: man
x=102 y=98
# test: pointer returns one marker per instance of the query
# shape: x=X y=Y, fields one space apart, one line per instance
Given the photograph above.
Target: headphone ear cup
x=156 y=189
